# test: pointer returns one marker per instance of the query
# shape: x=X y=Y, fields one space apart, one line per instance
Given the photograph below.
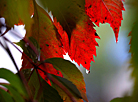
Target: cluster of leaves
x=44 y=73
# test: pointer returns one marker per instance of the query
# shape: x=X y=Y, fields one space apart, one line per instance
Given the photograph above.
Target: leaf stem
x=21 y=52
x=10 y=54
x=20 y=74
x=54 y=80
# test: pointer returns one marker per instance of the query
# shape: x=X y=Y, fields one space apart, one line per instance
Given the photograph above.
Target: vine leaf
x=41 y=90
x=83 y=43
x=43 y=31
x=67 y=12
x=14 y=93
x=71 y=73
x=70 y=86
x=123 y=99
x=105 y=11
x=5 y=96
x=14 y=81
x=27 y=49
x=75 y=28
x=15 y=12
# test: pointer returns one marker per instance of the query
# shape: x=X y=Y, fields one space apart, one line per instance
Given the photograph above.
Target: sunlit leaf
x=83 y=43
x=105 y=11
x=69 y=85
x=71 y=73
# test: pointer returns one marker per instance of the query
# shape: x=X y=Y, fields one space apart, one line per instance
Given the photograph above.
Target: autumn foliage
x=70 y=30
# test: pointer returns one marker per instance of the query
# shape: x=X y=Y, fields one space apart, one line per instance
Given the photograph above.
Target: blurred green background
x=110 y=75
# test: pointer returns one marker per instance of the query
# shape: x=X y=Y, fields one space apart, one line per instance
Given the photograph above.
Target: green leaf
x=34 y=83
x=26 y=73
x=124 y=99
x=15 y=12
x=14 y=93
x=134 y=57
x=67 y=12
x=42 y=92
x=69 y=85
x=5 y=96
x=45 y=34
x=28 y=50
x=71 y=73
x=13 y=80
x=48 y=93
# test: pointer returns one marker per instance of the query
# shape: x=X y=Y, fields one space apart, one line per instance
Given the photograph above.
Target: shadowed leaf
x=16 y=12
x=5 y=96
x=42 y=92
x=134 y=57
x=14 y=93
x=67 y=12
x=45 y=34
x=13 y=80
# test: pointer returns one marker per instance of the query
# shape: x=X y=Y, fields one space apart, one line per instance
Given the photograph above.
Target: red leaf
x=79 y=42
x=105 y=11
x=64 y=37
x=82 y=46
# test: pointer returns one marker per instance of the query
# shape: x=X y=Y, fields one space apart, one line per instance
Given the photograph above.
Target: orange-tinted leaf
x=105 y=11
x=71 y=73
x=44 y=32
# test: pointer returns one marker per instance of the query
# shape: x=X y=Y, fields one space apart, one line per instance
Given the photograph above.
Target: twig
x=9 y=53
x=20 y=51
x=21 y=76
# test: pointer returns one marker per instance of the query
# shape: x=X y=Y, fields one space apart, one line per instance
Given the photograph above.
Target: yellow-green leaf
x=16 y=12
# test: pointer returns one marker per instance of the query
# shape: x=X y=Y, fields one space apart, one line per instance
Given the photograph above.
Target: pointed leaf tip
x=116 y=38
x=87 y=71
x=106 y=11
